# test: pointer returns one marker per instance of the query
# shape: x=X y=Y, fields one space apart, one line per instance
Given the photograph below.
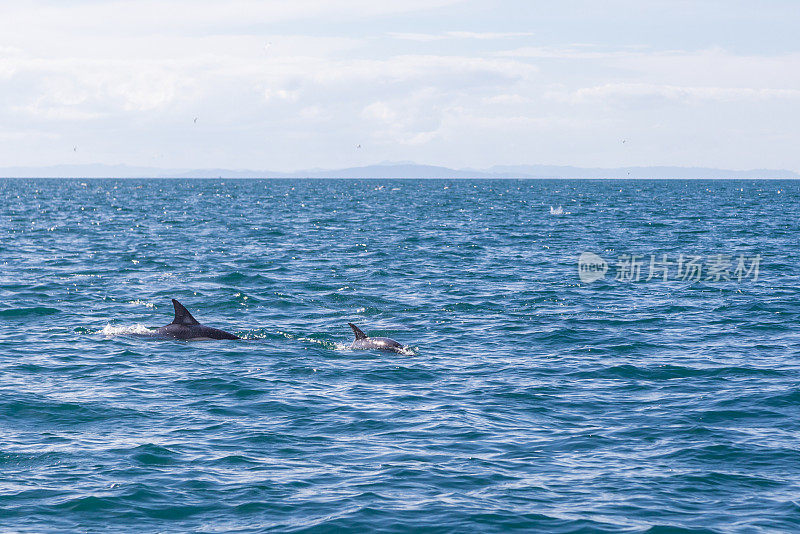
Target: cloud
x=84 y=89
x=288 y=84
x=628 y=91
x=408 y=119
x=196 y=17
x=712 y=63
x=484 y=36
x=575 y=51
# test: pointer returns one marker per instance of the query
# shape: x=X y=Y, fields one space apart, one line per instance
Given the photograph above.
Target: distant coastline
x=402 y=170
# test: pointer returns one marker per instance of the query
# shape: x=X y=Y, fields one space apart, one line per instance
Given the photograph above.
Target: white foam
x=142 y=302
x=111 y=330
x=348 y=347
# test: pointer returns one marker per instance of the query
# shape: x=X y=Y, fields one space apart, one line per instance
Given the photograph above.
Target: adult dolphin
x=363 y=342
x=186 y=327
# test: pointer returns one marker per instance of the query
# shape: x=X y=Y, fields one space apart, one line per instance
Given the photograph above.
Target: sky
x=283 y=86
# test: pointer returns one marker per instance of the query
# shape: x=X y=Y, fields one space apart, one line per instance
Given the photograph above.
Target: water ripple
x=530 y=401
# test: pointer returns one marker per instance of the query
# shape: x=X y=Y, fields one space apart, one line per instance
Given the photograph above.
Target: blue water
x=532 y=401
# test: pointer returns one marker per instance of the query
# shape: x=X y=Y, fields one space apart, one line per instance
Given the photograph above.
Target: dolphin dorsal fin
x=357 y=331
x=182 y=315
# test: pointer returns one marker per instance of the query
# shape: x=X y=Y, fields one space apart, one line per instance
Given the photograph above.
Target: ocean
x=585 y=356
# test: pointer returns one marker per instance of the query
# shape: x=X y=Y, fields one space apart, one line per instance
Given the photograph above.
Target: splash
x=348 y=347
x=110 y=330
x=142 y=303
x=558 y=211
x=408 y=351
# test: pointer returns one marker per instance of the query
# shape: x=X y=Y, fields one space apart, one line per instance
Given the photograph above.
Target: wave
x=28 y=312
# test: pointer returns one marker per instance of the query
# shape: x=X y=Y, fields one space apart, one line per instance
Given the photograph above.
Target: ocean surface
x=663 y=396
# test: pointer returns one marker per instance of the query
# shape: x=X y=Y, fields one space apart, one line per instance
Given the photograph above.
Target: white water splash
x=111 y=330
x=348 y=347
x=142 y=302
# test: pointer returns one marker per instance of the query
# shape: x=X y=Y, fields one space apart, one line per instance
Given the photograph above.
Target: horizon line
x=398 y=170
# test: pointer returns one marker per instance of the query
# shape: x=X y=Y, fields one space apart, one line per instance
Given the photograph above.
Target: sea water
x=629 y=362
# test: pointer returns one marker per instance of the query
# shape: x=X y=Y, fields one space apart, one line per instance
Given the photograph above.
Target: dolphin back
x=182 y=315
x=357 y=331
x=363 y=342
x=184 y=326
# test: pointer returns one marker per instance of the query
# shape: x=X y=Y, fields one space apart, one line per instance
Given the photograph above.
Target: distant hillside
x=551 y=171
x=395 y=170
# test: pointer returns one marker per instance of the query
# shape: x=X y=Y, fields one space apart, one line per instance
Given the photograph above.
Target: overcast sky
x=296 y=85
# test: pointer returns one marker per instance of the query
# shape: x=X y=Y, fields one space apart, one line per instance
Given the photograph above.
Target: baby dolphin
x=186 y=327
x=362 y=342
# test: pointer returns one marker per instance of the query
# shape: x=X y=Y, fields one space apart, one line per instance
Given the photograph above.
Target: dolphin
x=362 y=342
x=186 y=327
